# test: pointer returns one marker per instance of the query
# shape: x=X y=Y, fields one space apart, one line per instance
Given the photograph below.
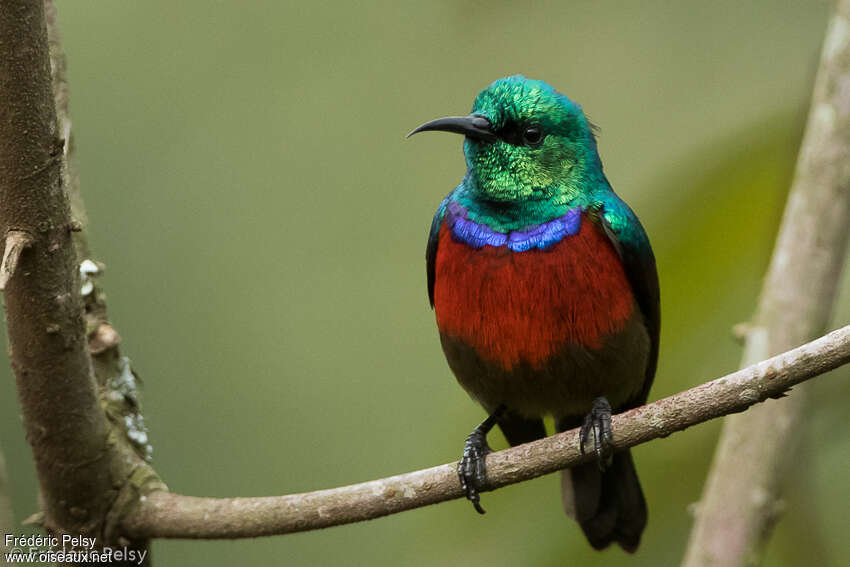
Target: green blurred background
x=263 y=222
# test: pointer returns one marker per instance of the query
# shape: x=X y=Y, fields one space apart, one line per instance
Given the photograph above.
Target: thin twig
x=168 y=515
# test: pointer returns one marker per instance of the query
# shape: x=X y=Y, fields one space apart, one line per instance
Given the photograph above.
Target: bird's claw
x=598 y=421
x=472 y=468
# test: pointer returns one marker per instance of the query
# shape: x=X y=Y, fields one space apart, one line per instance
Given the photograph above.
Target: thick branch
x=163 y=514
x=113 y=374
x=741 y=502
x=82 y=463
x=47 y=346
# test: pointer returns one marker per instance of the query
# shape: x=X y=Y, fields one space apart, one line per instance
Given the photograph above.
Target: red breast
x=525 y=306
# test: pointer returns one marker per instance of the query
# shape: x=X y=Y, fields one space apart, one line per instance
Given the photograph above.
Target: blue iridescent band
x=539 y=236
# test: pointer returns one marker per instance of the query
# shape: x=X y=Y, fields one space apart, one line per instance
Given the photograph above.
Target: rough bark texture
x=741 y=500
x=85 y=467
x=113 y=374
x=42 y=300
x=163 y=514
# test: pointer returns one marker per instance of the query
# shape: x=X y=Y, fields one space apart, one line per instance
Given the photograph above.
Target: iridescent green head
x=525 y=142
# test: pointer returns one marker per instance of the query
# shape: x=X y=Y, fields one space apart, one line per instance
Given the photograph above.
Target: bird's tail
x=608 y=505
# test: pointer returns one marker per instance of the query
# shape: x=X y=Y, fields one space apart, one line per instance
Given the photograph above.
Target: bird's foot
x=598 y=421
x=472 y=468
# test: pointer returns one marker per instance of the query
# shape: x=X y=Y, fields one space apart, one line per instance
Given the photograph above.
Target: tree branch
x=115 y=379
x=741 y=503
x=168 y=515
x=83 y=461
x=64 y=424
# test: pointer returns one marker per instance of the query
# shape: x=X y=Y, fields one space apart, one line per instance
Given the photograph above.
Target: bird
x=545 y=292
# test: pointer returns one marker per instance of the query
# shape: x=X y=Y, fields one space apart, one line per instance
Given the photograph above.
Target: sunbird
x=545 y=291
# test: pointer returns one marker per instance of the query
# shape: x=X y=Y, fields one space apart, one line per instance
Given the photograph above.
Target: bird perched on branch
x=546 y=295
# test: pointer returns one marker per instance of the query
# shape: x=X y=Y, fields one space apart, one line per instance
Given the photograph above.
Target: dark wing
x=629 y=238
x=431 y=249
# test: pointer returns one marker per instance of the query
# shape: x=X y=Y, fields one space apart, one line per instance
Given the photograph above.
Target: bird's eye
x=532 y=135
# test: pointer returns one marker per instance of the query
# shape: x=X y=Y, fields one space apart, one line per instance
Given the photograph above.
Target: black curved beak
x=473 y=126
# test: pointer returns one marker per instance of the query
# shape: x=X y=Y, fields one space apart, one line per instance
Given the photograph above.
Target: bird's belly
x=542 y=331
x=565 y=384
